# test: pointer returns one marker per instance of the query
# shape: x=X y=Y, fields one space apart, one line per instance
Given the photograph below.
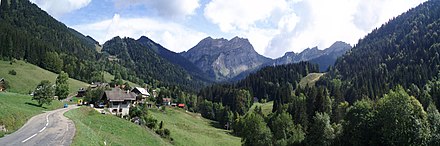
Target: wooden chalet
x=119 y=101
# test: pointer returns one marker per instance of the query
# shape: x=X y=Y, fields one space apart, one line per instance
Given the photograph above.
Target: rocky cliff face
x=224 y=59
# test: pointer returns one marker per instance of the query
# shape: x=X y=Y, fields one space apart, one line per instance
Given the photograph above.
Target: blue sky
x=272 y=26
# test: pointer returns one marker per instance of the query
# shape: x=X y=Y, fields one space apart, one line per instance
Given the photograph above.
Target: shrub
x=165 y=133
x=150 y=122
x=12 y=72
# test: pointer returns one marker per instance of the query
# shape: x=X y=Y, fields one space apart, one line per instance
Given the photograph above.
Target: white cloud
x=57 y=8
x=172 y=36
x=165 y=8
x=373 y=13
x=320 y=23
x=232 y=15
x=274 y=27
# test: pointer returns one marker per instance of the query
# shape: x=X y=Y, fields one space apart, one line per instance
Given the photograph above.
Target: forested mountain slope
x=403 y=51
x=30 y=34
x=148 y=65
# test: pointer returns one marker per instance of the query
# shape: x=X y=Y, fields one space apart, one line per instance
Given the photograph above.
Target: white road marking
x=42 y=129
x=47 y=119
x=29 y=138
x=47 y=123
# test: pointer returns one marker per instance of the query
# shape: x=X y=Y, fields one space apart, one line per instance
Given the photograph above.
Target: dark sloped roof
x=117 y=94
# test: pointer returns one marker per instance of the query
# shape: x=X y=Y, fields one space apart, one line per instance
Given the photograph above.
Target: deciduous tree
x=44 y=93
x=401 y=119
x=255 y=131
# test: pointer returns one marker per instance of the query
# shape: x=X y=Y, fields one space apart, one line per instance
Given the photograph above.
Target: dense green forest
x=222 y=101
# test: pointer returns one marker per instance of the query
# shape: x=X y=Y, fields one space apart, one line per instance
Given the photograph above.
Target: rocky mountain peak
x=144 y=38
x=224 y=59
x=338 y=46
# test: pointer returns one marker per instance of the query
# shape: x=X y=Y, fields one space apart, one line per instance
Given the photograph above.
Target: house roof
x=117 y=94
x=181 y=105
x=143 y=91
x=166 y=99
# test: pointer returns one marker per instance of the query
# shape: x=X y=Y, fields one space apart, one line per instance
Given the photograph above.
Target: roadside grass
x=16 y=109
x=93 y=128
x=310 y=79
x=191 y=129
x=29 y=76
x=265 y=107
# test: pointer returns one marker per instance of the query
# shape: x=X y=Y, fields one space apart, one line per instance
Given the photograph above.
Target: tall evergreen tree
x=62 y=85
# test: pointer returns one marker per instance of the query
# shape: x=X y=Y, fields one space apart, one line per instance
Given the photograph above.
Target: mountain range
x=234 y=59
x=64 y=49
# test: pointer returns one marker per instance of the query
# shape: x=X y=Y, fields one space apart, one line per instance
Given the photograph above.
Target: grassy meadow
x=265 y=107
x=310 y=79
x=16 y=109
x=29 y=76
x=93 y=128
x=191 y=129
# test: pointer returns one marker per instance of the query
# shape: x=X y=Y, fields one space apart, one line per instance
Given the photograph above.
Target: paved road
x=48 y=129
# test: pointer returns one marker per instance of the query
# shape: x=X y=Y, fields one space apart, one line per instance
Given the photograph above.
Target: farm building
x=119 y=101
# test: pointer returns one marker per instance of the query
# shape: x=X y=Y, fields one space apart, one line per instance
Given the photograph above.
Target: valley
x=191 y=86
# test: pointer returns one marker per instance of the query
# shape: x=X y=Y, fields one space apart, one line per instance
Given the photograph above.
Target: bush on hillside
x=12 y=72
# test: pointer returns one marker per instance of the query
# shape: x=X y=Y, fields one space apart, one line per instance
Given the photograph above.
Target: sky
x=273 y=27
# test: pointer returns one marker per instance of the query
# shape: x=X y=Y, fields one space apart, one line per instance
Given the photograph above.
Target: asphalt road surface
x=48 y=129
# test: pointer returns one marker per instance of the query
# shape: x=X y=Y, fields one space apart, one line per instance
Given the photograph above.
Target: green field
x=29 y=76
x=191 y=129
x=265 y=107
x=16 y=109
x=93 y=128
x=310 y=79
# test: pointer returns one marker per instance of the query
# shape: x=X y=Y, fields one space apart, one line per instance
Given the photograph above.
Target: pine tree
x=62 y=86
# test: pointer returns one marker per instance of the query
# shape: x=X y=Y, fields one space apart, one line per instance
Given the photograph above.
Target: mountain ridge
x=324 y=58
x=173 y=57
